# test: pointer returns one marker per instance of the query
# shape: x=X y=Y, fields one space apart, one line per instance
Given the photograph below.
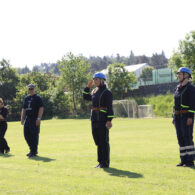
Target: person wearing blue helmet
x=183 y=117
x=99 y=75
x=101 y=116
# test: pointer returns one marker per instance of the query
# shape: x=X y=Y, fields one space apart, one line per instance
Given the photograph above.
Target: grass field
x=144 y=153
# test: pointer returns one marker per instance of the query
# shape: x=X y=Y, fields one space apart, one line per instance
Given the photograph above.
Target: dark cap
x=31 y=86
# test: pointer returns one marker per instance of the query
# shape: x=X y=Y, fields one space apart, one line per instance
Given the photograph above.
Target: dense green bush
x=162 y=104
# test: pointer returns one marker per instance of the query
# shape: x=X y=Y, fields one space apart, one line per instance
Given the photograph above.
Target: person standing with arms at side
x=31 y=115
x=101 y=117
x=184 y=109
x=3 y=128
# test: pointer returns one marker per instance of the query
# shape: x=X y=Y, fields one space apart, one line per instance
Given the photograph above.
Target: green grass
x=144 y=153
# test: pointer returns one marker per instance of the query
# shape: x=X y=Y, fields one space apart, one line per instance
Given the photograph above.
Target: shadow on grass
x=41 y=158
x=6 y=155
x=122 y=173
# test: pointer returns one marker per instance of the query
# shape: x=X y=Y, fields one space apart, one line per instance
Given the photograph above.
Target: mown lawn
x=144 y=153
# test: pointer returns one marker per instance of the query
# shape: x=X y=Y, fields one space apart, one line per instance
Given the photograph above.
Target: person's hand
x=185 y=82
x=108 y=124
x=189 y=121
x=22 y=121
x=38 y=122
x=89 y=85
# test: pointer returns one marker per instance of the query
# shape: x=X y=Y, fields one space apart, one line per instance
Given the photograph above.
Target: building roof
x=131 y=68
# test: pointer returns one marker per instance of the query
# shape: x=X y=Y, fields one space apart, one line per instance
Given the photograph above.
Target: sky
x=43 y=31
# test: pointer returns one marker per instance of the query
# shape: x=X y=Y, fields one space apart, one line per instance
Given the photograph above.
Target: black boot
x=180 y=164
x=189 y=164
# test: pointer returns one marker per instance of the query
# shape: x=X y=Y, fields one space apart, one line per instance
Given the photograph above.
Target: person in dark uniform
x=101 y=117
x=31 y=115
x=3 y=128
x=184 y=109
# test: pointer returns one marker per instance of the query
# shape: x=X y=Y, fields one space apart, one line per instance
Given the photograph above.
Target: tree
x=146 y=74
x=120 y=80
x=45 y=84
x=8 y=81
x=74 y=76
x=158 y=60
x=24 y=70
x=118 y=58
x=61 y=107
x=36 y=68
x=131 y=58
x=141 y=59
x=185 y=54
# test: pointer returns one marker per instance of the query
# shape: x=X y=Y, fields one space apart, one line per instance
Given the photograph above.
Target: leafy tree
x=120 y=80
x=98 y=63
x=141 y=59
x=54 y=69
x=8 y=81
x=61 y=107
x=47 y=68
x=36 y=68
x=146 y=74
x=185 y=54
x=158 y=60
x=118 y=58
x=44 y=87
x=74 y=76
x=131 y=58
x=42 y=81
x=24 y=70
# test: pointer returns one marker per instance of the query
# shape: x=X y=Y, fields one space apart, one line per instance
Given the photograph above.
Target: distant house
x=137 y=68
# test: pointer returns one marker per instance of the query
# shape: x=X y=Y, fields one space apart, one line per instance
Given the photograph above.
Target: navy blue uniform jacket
x=184 y=99
x=102 y=98
x=32 y=105
x=4 y=113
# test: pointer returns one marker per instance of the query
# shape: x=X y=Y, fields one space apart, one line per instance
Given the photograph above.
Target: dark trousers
x=31 y=134
x=3 y=142
x=185 y=138
x=101 y=138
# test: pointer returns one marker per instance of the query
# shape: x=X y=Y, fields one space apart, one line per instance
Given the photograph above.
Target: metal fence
x=159 y=76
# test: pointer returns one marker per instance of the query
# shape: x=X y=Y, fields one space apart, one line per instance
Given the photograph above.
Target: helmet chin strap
x=183 y=78
x=101 y=83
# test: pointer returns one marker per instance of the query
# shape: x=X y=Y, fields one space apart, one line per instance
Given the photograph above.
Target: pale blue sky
x=36 y=31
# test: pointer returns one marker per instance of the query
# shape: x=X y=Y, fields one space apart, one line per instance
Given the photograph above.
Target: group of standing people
x=32 y=111
x=102 y=115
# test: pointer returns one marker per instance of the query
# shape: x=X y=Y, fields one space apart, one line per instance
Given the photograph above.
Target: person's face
x=98 y=81
x=181 y=76
x=31 y=90
x=1 y=105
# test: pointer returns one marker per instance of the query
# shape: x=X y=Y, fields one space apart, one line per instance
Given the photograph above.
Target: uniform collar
x=181 y=86
x=32 y=95
x=102 y=86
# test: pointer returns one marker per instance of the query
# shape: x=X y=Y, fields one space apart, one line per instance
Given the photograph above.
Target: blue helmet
x=184 y=69
x=99 y=75
x=31 y=85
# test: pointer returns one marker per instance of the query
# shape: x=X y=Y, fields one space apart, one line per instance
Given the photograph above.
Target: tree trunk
x=74 y=103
